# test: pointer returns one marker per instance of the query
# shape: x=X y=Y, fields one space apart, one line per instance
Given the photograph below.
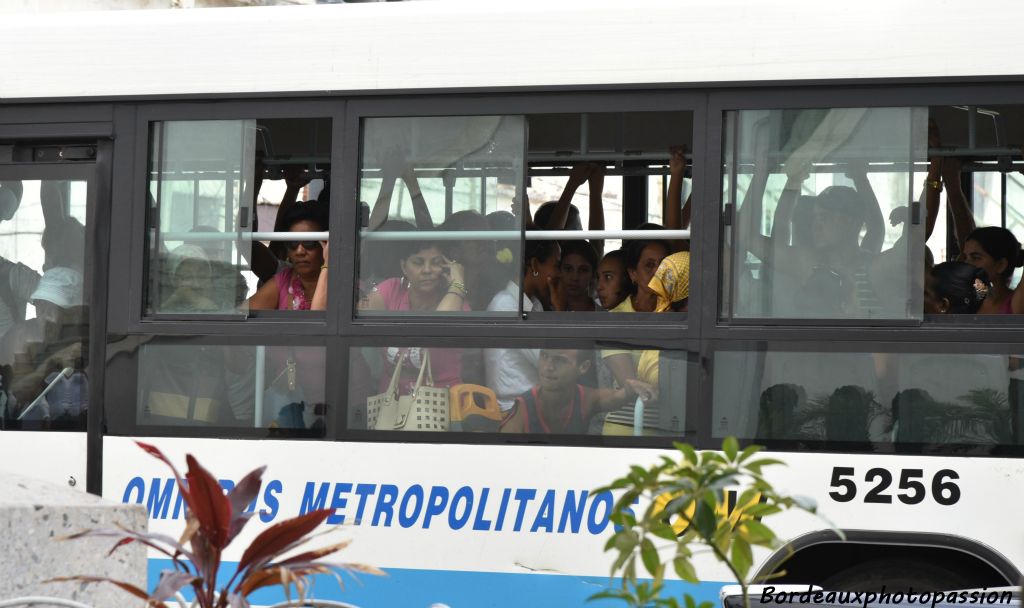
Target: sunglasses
x=307 y=245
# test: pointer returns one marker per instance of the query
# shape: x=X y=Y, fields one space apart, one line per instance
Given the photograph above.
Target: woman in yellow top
x=671 y=286
x=671 y=283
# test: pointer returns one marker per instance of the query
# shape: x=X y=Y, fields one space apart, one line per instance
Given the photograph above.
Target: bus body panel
x=430 y=532
x=55 y=457
x=437 y=45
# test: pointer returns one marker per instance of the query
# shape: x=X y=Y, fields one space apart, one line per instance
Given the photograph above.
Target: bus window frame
x=569 y=325
x=133 y=318
x=121 y=419
x=709 y=348
x=843 y=95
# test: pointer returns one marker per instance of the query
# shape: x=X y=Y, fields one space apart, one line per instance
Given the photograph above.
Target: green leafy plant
x=687 y=507
x=214 y=520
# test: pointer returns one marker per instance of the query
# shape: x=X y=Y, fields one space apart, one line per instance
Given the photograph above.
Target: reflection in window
x=813 y=190
x=541 y=391
x=870 y=398
x=43 y=312
x=269 y=387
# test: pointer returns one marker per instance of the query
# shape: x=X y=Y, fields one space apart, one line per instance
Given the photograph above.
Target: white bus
x=800 y=165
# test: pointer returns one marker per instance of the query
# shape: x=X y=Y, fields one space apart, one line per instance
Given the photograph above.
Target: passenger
x=293 y=287
x=955 y=288
x=672 y=284
x=563 y=215
x=17 y=281
x=558 y=403
x=996 y=251
x=511 y=371
x=613 y=284
x=478 y=256
x=429 y=282
x=827 y=271
x=190 y=274
x=35 y=351
x=642 y=260
x=579 y=265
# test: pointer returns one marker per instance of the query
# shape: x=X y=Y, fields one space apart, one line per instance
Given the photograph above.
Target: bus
x=542 y=242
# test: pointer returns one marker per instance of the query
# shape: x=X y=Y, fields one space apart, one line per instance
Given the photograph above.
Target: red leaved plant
x=214 y=519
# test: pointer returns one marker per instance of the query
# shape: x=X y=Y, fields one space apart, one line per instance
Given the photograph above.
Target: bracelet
x=323 y=266
x=461 y=294
x=456 y=285
x=933 y=183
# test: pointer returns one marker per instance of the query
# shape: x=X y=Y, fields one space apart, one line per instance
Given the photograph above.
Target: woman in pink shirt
x=430 y=282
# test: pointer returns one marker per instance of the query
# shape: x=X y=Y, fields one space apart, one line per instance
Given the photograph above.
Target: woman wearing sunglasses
x=293 y=286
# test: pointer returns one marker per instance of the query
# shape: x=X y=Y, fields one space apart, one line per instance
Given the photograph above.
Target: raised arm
x=389 y=176
x=749 y=213
x=930 y=195
x=963 y=219
x=875 y=233
x=676 y=217
x=295 y=179
x=51 y=199
x=319 y=301
x=419 y=204
x=560 y=215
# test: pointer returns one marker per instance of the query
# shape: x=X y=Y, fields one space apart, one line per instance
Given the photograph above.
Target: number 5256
x=911 y=488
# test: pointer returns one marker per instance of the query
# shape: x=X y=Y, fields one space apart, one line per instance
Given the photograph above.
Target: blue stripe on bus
x=421 y=588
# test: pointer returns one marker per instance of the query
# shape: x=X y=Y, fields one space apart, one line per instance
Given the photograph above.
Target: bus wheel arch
x=869 y=559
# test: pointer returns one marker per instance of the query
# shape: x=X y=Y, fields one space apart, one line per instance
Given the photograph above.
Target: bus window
x=444 y=211
x=228 y=200
x=923 y=401
x=819 y=222
x=276 y=388
x=606 y=173
x=517 y=390
x=440 y=234
x=43 y=305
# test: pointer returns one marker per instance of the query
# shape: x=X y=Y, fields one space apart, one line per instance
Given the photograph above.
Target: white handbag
x=425 y=409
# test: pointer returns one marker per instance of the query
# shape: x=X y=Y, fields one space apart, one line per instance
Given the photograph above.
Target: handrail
x=434 y=235
x=512 y=235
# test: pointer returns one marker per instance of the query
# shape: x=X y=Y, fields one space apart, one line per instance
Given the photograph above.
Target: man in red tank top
x=559 y=403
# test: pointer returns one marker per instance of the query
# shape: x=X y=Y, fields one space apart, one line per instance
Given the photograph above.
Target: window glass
x=200 y=172
x=213 y=183
x=280 y=388
x=518 y=390
x=821 y=219
x=441 y=237
x=43 y=305
x=935 y=399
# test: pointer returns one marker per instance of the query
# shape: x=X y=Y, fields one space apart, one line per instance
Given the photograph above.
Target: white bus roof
x=506 y=43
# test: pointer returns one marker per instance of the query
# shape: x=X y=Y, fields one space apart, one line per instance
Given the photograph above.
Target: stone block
x=34 y=514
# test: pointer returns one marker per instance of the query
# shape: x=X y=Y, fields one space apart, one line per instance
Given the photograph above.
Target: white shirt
x=511 y=371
